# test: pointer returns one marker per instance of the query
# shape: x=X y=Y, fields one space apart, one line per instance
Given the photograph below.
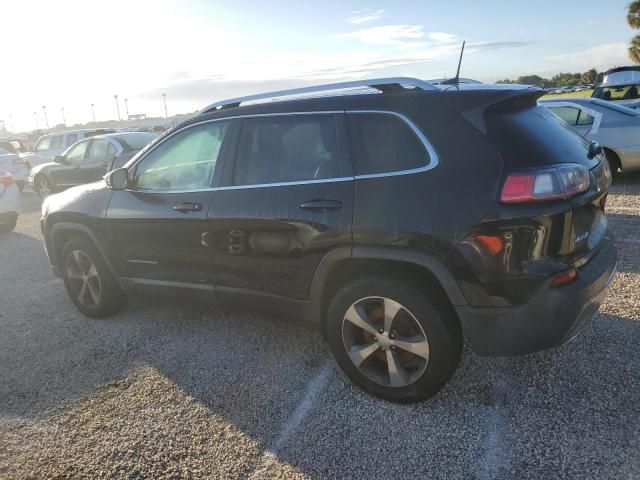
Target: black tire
x=110 y=299
x=440 y=326
x=42 y=185
x=9 y=226
x=614 y=162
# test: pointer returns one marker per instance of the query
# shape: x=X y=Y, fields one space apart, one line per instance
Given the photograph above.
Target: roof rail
x=380 y=84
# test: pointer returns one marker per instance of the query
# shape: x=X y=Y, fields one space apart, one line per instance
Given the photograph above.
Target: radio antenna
x=456 y=80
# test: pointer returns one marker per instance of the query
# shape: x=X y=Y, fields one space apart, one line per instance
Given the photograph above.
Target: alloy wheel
x=43 y=188
x=385 y=341
x=83 y=279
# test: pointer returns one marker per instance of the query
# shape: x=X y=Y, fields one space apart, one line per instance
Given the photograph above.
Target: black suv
x=396 y=220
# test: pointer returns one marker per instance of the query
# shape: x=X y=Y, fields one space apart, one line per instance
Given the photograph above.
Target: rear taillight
x=553 y=183
x=6 y=179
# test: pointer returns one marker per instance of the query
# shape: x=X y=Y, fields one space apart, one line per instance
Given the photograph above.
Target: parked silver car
x=51 y=145
x=614 y=127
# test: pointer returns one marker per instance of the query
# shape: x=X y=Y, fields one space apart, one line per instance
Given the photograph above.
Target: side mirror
x=58 y=159
x=117 y=179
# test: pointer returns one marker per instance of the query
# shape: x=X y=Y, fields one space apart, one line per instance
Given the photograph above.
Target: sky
x=68 y=54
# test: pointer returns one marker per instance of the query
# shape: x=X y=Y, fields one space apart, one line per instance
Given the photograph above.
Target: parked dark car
x=88 y=160
x=395 y=220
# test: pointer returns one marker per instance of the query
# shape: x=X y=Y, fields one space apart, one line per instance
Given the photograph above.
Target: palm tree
x=633 y=15
x=634 y=49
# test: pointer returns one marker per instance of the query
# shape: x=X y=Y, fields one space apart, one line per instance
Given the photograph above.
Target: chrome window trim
x=434 y=159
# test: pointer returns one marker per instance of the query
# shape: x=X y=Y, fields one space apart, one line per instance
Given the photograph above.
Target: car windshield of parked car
x=618 y=92
x=186 y=160
x=137 y=141
x=43 y=144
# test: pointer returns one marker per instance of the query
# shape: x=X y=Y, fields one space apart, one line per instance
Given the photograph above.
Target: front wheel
x=88 y=280
x=43 y=187
x=393 y=341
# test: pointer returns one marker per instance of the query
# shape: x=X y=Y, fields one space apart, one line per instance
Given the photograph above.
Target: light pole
x=64 y=120
x=126 y=107
x=164 y=99
x=115 y=97
x=35 y=114
x=93 y=111
x=46 y=120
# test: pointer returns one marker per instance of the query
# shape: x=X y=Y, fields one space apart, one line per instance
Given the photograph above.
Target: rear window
x=137 y=141
x=384 y=143
x=71 y=139
x=529 y=137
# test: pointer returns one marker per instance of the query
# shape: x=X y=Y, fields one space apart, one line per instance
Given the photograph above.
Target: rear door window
x=71 y=139
x=57 y=142
x=290 y=148
x=384 y=143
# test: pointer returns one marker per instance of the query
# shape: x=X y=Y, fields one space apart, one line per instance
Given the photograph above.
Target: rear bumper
x=550 y=318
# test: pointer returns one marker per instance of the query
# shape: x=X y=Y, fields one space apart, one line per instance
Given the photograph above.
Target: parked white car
x=9 y=198
x=13 y=162
x=51 y=145
x=615 y=127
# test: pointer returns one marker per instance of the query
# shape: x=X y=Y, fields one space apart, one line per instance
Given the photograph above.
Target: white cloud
x=442 y=37
x=365 y=15
x=601 y=57
x=385 y=35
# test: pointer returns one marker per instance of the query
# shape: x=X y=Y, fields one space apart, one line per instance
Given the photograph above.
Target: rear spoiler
x=473 y=104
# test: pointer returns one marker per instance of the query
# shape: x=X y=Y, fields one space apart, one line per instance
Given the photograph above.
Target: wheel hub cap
x=385 y=341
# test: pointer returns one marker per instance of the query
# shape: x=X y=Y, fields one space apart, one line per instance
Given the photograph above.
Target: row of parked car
x=61 y=160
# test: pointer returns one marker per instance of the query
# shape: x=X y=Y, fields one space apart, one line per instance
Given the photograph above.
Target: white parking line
x=269 y=457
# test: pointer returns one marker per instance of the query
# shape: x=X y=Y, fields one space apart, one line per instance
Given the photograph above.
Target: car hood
x=45 y=167
x=89 y=200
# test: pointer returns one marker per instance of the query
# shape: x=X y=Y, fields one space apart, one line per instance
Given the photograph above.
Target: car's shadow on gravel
x=567 y=410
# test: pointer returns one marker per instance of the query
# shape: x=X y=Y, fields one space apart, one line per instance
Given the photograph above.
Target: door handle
x=317 y=205
x=187 y=207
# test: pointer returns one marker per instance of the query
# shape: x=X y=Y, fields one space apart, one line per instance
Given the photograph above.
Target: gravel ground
x=169 y=389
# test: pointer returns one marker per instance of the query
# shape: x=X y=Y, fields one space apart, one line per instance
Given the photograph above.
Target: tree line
x=559 y=80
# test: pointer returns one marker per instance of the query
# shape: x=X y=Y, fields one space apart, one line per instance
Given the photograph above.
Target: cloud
x=442 y=37
x=385 y=35
x=365 y=15
x=601 y=57
x=476 y=46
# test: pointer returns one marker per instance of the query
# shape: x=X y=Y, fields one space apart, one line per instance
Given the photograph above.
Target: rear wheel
x=391 y=340
x=88 y=280
x=614 y=161
x=43 y=186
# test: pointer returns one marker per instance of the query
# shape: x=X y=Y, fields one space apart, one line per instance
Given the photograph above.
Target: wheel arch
x=615 y=155
x=62 y=232
x=340 y=267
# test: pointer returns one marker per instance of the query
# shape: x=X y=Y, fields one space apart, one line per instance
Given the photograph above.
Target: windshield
x=137 y=141
x=617 y=92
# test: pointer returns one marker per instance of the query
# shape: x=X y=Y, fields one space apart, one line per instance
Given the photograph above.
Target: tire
x=614 y=162
x=43 y=186
x=10 y=226
x=419 y=378
x=88 y=280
